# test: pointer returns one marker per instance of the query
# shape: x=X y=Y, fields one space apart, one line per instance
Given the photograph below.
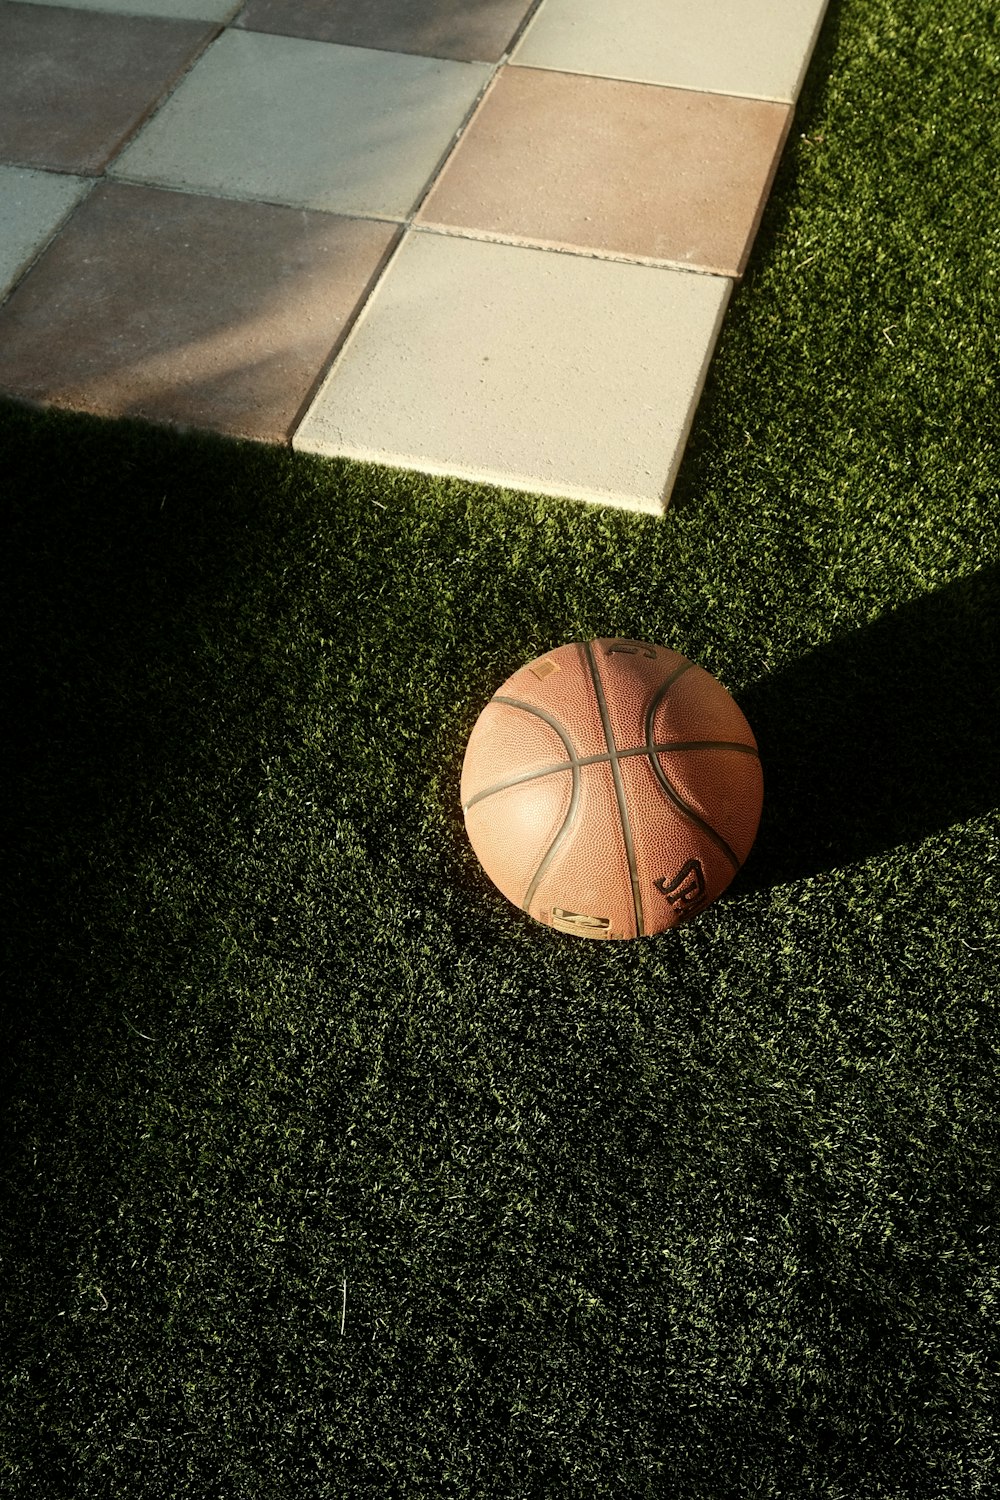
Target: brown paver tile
x=74 y=84
x=478 y=32
x=626 y=169
x=187 y=309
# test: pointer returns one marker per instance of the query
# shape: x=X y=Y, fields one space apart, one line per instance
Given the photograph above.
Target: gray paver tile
x=556 y=159
x=32 y=206
x=179 y=10
x=74 y=84
x=281 y=120
x=559 y=374
x=760 y=48
x=480 y=32
x=187 y=309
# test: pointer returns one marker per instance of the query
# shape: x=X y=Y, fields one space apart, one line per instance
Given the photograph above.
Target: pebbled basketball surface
x=612 y=788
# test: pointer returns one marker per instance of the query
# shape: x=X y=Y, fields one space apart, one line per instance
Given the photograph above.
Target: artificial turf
x=329 y=1174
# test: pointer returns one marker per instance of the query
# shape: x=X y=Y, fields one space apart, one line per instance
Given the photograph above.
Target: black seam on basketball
x=502 y=786
x=619 y=789
x=574 y=798
x=661 y=693
x=689 y=812
x=549 y=719
x=664 y=780
x=593 y=760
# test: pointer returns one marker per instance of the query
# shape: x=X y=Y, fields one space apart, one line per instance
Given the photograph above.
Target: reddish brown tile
x=477 y=32
x=188 y=310
x=75 y=84
x=626 y=169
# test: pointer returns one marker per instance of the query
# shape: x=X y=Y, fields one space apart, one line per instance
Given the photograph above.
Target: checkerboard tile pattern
x=493 y=240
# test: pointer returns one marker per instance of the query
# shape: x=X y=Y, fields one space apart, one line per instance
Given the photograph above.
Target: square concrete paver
x=558 y=374
x=479 y=32
x=555 y=159
x=309 y=123
x=760 y=48
x=187 y=309
x=32 y=206
x=74 y=84
x=179 y=10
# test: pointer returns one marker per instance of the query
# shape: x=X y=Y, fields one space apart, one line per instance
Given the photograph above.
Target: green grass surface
x=708 y=1216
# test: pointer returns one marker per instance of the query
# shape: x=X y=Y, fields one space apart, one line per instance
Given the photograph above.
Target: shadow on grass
x=136 y=625
x=882 y=737
x=130 y=613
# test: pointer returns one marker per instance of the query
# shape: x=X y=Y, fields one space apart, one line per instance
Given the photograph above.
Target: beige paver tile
x=32 y=206
x=556 y=159
x=479 y=32
x=187 y=309
x=760 y=48
x=74 y=84
x=560 y=374
x=308 y=123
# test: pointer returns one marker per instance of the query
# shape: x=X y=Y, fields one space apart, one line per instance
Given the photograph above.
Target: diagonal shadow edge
x=881 y=737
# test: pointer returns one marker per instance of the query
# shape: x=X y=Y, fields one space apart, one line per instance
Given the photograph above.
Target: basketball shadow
x=880 y=738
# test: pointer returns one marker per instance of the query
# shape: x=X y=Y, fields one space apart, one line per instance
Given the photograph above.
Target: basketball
x=611 y=789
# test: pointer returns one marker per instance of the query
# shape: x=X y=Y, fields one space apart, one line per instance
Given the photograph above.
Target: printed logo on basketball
x=578 y=920
x=544 y=668
x=632 y=648
x=686 y=892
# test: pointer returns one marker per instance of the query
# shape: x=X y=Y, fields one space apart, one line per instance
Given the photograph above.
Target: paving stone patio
x=488 y=238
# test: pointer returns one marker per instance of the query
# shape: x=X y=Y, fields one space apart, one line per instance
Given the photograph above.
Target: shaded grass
x=704 y=1216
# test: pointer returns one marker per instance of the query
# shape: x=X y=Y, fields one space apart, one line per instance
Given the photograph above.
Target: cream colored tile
x=553 y=373
x=760 y=48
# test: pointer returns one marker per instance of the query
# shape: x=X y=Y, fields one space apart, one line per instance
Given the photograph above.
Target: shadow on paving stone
x=882 y=737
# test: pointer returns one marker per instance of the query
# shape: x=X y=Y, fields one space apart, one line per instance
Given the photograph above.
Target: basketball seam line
x=668 y=785
x=619 y=788
x=670 y=748
x=575 y=762
x=574 y=799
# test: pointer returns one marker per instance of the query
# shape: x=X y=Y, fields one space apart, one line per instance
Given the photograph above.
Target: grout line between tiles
x=646 y=83
x=346 y=335
x=407 y=225
x=455 y=141
x=57 y=229
x=158 y=104
x=486 y=236
x=351 y=329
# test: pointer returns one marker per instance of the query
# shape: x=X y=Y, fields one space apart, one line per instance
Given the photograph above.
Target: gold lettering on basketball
x=632 y=648
x=578 y=919
x=545 y=668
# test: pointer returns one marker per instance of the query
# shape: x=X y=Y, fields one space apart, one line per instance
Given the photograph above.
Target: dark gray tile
x=188 y=310
x=466 y=30
x=75 y=84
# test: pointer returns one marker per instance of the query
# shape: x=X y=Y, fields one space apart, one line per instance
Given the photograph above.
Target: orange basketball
x=611 y=789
